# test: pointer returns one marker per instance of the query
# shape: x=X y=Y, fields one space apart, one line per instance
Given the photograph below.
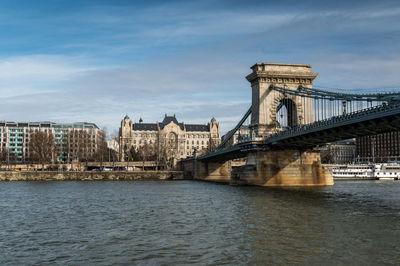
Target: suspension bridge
x=288 y=120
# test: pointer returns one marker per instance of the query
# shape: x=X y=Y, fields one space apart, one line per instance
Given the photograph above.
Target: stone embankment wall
x=89 y=176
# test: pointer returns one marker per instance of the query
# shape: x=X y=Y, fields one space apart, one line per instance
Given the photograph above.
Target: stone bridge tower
x=265 y=101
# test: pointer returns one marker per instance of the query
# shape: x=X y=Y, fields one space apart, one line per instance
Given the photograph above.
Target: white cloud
x=196 y=81
x=51 y=67
x=32 y=74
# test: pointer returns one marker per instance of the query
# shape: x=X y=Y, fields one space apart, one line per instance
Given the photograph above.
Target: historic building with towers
x=178 y=139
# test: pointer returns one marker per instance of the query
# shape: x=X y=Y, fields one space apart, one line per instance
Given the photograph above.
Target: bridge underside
x=289 y=120
x=346 y=127
x=288 y=158
x=310 y=136
x=263 y=168
x=282 y=168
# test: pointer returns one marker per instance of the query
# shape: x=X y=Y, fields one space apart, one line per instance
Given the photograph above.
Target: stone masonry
x=265 y=101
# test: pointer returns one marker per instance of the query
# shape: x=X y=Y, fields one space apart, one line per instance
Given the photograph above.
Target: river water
x=198 y=223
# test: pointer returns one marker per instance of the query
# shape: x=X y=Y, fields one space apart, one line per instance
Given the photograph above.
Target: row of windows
x=188 y=142
x=154 y=135
x=31 y=130
x=181 y=147
x=198 y=142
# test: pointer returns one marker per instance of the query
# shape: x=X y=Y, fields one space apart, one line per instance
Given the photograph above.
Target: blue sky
x=96 y=61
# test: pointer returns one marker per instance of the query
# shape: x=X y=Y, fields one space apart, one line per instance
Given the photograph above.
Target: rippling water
x=188 y=222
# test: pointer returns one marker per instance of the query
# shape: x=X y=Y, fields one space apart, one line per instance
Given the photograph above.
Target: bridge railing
x=331 y=121
x=296 y=108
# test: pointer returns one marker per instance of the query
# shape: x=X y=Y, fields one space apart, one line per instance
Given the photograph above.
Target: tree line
x=75 y=146
x=164 y=151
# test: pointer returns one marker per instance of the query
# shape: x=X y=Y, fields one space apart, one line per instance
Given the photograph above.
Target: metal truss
x=233 y=131
x=334 y=96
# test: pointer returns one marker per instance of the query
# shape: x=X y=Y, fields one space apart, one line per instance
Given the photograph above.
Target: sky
x=96 y=61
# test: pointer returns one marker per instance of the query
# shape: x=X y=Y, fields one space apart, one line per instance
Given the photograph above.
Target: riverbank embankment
x=89 y=176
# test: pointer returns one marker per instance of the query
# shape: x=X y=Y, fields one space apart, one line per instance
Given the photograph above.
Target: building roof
x=166 y=121
x=169 y=119
x=48 y=124
x=346 y=141
x=144 y=126
x=197 y=128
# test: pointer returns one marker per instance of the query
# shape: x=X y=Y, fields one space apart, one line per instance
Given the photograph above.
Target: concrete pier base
x=282 y=168
x=213 y=171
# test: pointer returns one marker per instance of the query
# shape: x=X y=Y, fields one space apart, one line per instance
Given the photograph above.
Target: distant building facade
x=113 y=145
x=339 y=152
x=182 y=138
x=69 y=139
x=243 y=133
x=379 y=148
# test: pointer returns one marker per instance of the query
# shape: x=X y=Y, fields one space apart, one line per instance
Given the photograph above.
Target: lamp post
x=8 y=156
x=373 y=148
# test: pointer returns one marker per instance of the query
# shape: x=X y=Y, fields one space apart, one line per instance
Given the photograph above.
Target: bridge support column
x=213 y=171
x=282 y=168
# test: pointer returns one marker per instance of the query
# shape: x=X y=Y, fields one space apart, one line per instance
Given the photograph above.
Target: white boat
x=389 y=171
x=353 y=171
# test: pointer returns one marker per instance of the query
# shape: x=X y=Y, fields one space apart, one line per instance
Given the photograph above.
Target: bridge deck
x=380 y=119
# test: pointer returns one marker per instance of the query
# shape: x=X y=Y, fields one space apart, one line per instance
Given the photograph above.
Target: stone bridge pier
x=263 y=168
x=282 y=168
x=271 y=112
x=206 y=170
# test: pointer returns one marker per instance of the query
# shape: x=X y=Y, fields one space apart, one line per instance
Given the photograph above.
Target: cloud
x=60 y=88
x=100 y=61
x=38 y=73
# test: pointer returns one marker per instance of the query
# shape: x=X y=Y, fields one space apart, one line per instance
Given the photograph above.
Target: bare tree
x=166 y=149
x=12 y=158
x=101 y=151
x=329 y=154
x=212 y=145
x=82 y=146
x=41 y=147
x=146 y=152
x=114 y=153
x=3 y=156
x=161 y=152
x=130 y=154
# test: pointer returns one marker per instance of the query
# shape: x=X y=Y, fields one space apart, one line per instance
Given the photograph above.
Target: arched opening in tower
x=286 y=113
